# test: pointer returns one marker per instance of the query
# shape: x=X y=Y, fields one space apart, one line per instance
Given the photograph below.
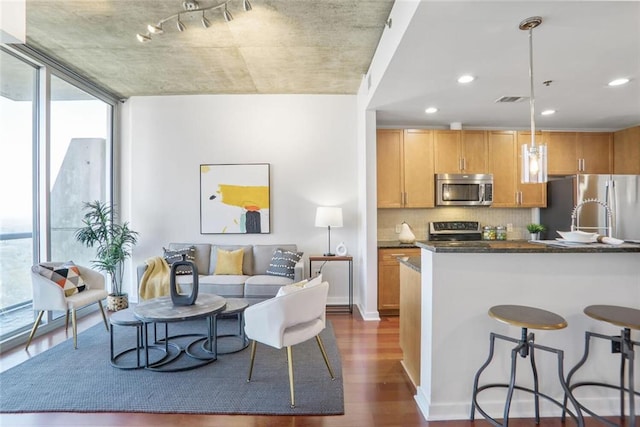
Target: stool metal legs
x=525 y=347
x=625 y=346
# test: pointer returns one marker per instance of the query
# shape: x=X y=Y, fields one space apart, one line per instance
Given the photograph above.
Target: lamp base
x=329 y=254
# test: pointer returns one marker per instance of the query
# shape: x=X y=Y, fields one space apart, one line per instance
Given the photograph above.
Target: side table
x=346 y=258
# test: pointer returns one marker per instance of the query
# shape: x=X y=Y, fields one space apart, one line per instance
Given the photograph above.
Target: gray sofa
x=254 y=284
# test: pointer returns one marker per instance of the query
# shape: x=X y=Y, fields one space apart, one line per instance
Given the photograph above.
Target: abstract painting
x=234 y=199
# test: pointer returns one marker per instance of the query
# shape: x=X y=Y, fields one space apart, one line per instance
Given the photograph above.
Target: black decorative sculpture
x=176 y=297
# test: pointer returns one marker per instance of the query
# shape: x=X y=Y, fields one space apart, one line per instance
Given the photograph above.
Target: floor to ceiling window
x=56 y=152
x=17 y=111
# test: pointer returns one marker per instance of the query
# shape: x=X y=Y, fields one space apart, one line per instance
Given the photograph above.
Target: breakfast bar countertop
x=524 y=246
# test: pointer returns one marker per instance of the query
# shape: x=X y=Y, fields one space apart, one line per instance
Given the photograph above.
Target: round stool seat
x=124 y=318
x=527 y=317
x=625 y=317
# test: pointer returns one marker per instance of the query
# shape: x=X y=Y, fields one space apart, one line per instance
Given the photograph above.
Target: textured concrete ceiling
x=280 y=47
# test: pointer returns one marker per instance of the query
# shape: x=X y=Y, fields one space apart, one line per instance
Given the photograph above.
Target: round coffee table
x=162 y=310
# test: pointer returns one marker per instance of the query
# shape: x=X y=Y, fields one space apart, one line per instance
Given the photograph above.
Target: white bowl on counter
x=578 y=236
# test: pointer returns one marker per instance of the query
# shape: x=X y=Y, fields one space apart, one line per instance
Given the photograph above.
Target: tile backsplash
x=419 y=219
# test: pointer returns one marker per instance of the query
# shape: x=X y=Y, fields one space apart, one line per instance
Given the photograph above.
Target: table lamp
x=328 y=217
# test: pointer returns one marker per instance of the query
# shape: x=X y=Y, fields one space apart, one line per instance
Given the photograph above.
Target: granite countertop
x=392 y=244
x=524 y=246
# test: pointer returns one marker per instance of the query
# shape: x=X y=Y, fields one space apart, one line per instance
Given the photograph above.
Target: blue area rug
x=66 y=380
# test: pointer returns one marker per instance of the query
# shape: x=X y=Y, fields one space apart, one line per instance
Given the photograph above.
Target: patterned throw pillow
x=283 y=263
x=67 y=276
x=176 y=255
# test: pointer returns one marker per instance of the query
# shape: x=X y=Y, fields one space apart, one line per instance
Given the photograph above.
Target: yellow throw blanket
x=155 y=280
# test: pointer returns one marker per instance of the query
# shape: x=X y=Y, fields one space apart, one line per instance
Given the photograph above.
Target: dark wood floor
x=377 y=392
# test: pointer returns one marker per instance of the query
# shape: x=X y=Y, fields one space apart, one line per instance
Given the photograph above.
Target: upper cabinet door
x=389 y=168
x=419 y=182
x=502 y=164
x=447 y=151
x=475 y=151
x=596 y=150
x=562 y=155
x=626 y=151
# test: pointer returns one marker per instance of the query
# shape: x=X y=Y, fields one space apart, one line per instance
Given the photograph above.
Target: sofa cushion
x=247 y=257
x=202 y=255
x=229 y=262
x=283 y=263
x=262 y=255
x=264 y=286
x=228 y=286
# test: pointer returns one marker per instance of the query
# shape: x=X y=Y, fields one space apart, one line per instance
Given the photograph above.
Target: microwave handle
x=481 y=191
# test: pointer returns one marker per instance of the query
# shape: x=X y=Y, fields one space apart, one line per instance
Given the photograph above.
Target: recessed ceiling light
x=618 y=82
x=548 y=112
x=431 y=110
x=466 y=79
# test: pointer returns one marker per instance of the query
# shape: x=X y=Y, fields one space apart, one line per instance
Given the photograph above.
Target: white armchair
x=287 y=320
x=49 y=296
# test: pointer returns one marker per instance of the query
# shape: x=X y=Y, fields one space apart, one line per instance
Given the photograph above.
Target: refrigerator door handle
x=611 y=201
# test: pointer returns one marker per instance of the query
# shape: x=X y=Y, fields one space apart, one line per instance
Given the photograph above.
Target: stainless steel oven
x=464 y=189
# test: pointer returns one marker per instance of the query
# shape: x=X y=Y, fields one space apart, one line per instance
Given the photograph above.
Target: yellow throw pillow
x=229 y=262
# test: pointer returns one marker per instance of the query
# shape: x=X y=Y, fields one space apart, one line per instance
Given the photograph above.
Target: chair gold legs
x=74 y=325
x=66 y=321
x=290 y=363
x=324 y=355
x=104 y=318
x=34 y=329
x=253 y=356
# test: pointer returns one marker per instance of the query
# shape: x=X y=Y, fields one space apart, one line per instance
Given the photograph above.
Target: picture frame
x=235 y=198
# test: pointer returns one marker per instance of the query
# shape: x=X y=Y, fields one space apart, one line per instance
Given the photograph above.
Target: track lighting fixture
x=205 y=21
x=227 y=15
x=191 y=6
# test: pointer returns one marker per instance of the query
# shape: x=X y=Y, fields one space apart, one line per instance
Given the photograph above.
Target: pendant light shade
x=534 y=155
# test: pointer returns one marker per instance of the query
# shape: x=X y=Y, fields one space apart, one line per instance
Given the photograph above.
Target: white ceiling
x=580 y=46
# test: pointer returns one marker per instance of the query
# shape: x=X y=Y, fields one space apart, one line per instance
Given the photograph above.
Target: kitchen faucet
x=574 y=215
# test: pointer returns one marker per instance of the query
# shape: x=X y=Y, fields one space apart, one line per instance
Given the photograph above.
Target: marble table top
x=162 y=309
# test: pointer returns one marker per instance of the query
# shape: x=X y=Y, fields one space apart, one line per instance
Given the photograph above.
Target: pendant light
x=534 y=156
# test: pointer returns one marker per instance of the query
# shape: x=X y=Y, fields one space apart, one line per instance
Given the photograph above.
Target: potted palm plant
x=113 y=242
x=535 y=230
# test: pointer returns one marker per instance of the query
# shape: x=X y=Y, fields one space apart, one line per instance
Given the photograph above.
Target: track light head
x=205 y=21
x=155 y=29
x=180 y=25
x=143 y=38
x=246 y=5
x=227 y=15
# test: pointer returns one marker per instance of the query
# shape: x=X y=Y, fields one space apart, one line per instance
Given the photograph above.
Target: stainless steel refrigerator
x=621 y=193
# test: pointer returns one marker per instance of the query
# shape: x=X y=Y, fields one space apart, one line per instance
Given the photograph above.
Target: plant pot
x=535 y=236
x=117 y=302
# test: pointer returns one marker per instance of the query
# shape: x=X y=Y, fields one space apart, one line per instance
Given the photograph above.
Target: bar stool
x=526 y=318
x=627 y=318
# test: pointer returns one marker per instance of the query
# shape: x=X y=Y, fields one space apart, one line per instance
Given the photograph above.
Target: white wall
x=309 y=141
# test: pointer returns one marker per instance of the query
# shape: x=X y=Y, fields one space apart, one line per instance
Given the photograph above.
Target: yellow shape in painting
x=248 y=197
x=205 y=168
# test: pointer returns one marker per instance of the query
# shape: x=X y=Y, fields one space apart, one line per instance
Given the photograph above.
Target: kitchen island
x=460 y=281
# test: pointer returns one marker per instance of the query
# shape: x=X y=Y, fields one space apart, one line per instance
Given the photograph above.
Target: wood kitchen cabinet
x=504 y=164
x=389 y=278
x=578 y=152
x=410 y=321
x=460 y=151
x=626 y=151
x=405 y=177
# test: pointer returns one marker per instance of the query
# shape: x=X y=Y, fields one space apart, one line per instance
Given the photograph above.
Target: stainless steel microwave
x=464 y=189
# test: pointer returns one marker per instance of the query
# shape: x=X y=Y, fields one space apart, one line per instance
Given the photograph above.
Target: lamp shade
x=328 y=217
